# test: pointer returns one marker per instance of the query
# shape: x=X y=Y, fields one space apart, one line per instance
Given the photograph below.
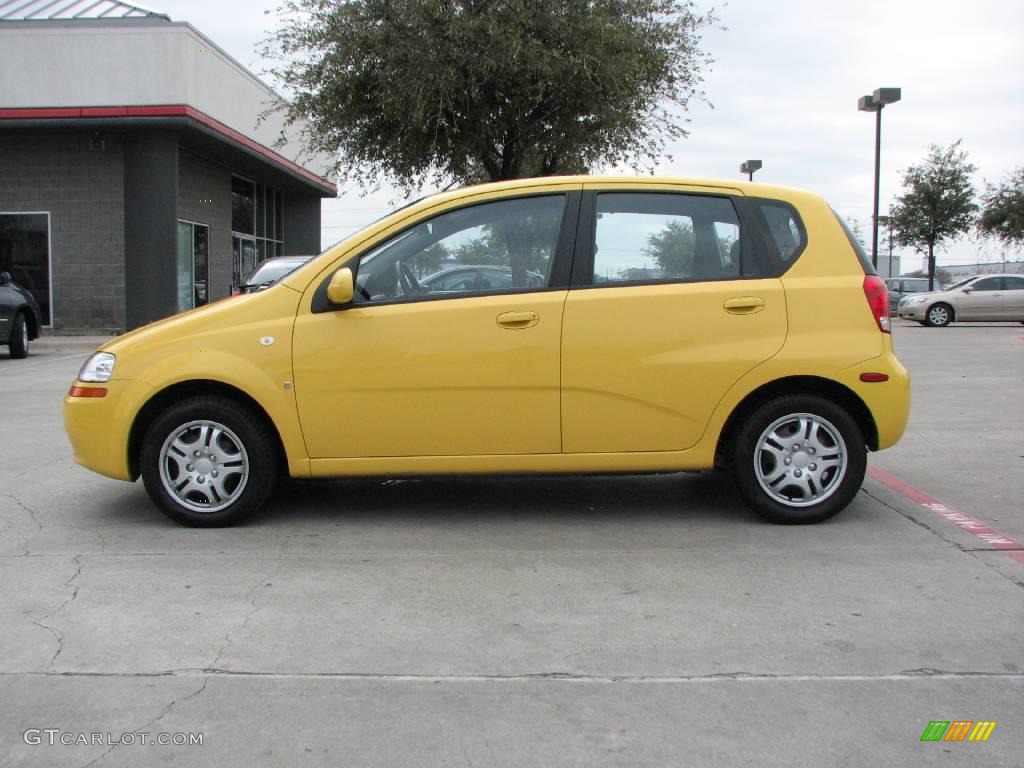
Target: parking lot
x=626 y=621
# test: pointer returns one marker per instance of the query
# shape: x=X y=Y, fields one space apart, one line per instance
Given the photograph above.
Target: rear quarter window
x=787 y=236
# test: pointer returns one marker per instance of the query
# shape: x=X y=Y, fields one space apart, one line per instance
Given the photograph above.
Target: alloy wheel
x=800 y=460
x=204 y=466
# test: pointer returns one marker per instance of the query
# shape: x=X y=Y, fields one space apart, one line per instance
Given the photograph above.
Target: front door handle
x=516 y=320
x=744 y=305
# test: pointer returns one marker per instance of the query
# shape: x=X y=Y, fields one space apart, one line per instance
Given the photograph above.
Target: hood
x=222 y=312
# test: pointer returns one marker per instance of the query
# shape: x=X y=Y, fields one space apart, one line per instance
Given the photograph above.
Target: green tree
x=940 y=274
x=937 y=203
x=428 y=261
x=1002 y=210
x=672 y=248
x=482 y=250
x=420 y=91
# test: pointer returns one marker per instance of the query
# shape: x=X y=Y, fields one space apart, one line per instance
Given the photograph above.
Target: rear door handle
x=744 y=305
x=516 y=320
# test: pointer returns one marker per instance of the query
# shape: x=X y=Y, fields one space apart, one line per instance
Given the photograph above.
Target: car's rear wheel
x=939 y=315
x=18 y=342
x=799 y=459
x=208 y=462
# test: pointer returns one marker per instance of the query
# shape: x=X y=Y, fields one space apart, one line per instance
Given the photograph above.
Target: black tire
x=938 y=315
x=837 y=486
x=242 y=429
x=18 y=342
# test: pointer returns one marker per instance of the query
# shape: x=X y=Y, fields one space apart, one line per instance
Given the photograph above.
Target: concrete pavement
x=637 y=621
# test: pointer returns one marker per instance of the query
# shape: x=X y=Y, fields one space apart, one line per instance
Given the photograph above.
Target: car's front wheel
x=799 y=459
x=939 y=315
x=208 y=462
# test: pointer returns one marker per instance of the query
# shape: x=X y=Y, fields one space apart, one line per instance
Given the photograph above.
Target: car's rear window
x=862 y=255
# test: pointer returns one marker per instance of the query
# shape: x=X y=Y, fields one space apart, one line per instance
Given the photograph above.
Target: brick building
x=135 y=181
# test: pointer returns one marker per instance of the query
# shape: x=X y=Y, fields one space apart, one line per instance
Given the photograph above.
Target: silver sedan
x=995 y=298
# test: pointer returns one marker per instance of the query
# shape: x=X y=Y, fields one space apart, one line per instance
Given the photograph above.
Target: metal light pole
x=874 y=103
x=749 y=166
x=887 y=221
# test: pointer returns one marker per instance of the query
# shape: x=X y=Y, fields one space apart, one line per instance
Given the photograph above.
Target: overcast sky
x=784 y=87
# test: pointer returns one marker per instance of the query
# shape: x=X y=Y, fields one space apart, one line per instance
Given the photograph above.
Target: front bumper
x=913 y=311
x=99 y=427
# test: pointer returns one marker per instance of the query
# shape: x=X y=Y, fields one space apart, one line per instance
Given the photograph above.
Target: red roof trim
x=167 y=110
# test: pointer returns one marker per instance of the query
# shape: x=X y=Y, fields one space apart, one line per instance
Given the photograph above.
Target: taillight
x=878 y=299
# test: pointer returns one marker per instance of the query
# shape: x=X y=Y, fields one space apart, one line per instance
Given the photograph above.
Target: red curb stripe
x=983 y=531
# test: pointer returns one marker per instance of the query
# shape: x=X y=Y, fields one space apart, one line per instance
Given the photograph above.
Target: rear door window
x=648 y=237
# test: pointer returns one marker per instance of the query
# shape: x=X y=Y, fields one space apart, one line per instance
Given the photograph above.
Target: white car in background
x=982 y=298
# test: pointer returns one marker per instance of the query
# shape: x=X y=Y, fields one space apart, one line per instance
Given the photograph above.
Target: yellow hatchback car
x=601 y=325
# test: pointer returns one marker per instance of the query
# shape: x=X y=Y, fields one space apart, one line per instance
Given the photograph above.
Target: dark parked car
x=19 y=316
x=270 y=271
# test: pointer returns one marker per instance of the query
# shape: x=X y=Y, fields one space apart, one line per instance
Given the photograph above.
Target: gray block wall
x=83 y=189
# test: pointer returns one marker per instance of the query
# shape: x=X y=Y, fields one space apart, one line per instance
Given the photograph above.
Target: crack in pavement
x=32 y=514
x=58 y=635
x=145 y=728
x=254 y=593
x=206 y=673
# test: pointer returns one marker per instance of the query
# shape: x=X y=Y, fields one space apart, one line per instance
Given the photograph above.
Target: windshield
x=962 y=283
x=271 y=273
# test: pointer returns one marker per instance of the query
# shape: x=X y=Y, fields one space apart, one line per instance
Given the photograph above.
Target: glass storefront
x=256 y=227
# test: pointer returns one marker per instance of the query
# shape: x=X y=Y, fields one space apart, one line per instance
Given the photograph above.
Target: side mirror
x=341 y=288
x=968 y=289
x=5 y=278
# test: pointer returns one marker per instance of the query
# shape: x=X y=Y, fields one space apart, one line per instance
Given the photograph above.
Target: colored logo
x=958 y=730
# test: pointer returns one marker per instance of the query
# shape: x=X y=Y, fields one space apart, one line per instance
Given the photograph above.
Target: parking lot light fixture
x=749 y=166
x=874 y=103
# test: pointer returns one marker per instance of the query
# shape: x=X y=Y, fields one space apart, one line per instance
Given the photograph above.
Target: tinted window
x=915 y=286
x=988 y=284
x=786 y=230
x=1013 y=283
x=243 y=207
x=508 y=245
x=642 y=237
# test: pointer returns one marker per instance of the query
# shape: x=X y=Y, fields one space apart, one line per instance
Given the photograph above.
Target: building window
x=193 y=265
x=256 y=227
x=25 y=253
x=243 y=204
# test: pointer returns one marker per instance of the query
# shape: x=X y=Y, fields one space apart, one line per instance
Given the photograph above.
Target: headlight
x=98 y=368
